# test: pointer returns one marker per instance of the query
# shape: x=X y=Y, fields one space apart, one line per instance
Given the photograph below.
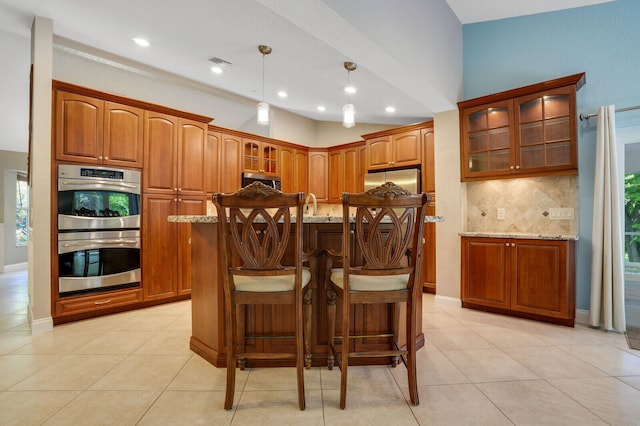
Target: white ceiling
x=408 y=51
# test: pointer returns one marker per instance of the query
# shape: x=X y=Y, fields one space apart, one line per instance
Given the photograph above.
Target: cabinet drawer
x=81 y=304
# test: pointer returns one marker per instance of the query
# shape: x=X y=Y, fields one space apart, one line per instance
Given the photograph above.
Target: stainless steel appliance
x=95 y=261
x=98 y=229
x=91 y=197
x=272 y=181
x=409 y=179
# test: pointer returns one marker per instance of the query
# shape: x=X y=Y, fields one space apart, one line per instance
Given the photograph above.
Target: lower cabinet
x=166 y=247
x=530 y=278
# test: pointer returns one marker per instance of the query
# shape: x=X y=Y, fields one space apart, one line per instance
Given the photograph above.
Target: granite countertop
x=306 y=219
x=517 y=235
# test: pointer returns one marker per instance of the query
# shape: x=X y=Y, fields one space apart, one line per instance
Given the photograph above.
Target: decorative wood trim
x=576 y=79
x=402 y=129
x=346 y=145
x=68 y=87
x=258 y=138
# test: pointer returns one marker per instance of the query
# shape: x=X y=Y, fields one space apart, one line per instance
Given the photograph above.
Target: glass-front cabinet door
x=545 y=131
x=488 y=134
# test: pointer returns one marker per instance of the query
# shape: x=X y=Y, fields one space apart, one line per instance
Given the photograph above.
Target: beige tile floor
x=136 y=368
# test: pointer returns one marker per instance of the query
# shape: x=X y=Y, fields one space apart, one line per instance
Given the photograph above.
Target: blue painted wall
x=601 y=40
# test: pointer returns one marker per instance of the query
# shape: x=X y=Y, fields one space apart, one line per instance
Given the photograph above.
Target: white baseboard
x=451 y=301
x=15 y=267
x=582 y=316
x=40 y=326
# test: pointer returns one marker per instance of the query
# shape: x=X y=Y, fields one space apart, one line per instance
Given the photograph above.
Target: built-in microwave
x=272 y=181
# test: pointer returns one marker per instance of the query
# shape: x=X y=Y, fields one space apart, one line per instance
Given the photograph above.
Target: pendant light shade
x=348 y=110
x=263 y=107
x=263 y=113
x=348 y=115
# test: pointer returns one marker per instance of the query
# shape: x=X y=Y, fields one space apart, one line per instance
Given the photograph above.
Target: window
x=22 y=211
x=632 y=211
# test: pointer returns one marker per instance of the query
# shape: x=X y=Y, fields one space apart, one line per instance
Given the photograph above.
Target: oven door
x=98 y=261
x=89 y=205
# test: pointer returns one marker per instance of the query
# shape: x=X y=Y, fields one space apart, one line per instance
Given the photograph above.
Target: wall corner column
x=39 y=249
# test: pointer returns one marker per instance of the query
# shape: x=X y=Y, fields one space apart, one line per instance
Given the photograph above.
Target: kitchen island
x=207 y=299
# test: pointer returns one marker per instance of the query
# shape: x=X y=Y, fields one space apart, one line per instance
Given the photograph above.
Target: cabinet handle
x=175 y=189
x=179 y=189
x=99 y=157
x=517 y=167
x=104 y=302
x=513 y=244
x=512 y=167
x=506 y=244
x=106 y=158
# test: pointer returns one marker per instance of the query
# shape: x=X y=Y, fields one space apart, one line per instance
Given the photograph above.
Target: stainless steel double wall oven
x=98 y=229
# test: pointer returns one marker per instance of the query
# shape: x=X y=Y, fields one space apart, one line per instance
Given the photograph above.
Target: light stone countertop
x=306 y=219
x=518 y=235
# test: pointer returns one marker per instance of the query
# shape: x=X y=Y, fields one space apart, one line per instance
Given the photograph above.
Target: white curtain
x=607 y=265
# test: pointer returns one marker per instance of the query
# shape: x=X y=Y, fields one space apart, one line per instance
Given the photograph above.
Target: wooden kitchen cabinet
x=530 y=278
x=174 y=152
x=212 y=162
x=394 y=150
x=529 y=131
x=230 y=163
x=259 y=157
x=318 y=174
x=95 y=131
x=175 y=181
x=293 y=166
x=166 y=246
x=345 y=170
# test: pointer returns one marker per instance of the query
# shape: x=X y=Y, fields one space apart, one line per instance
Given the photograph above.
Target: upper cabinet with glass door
x=260 y=157
x=529 y=131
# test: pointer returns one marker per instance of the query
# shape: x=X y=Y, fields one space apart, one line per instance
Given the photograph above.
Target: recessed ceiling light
x=216 y=70
x=282 y=94
x=350 y=90
x=321 y=108
x=390 y=109
x=141 y=41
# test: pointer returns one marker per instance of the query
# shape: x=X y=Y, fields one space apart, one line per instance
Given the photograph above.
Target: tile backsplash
x=528 y=203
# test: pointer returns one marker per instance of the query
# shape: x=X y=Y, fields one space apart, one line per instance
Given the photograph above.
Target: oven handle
x=101 y=182
x=84 y=243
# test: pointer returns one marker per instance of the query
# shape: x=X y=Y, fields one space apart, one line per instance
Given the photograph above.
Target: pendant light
x=348 y=110
x=263 y=107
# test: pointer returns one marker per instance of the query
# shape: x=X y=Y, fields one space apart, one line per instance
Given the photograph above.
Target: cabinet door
x=379 y=154
x=160 y=144
x=79 y=127
x=336 y=173
x=486 y=136
x=352 y=172
x=191 y=157
x=159 y=249
x=230 y=163
x=269 y=159
x=546 y=131
x=288 y=172
x=428 y=162
x=123 y=135
x=301 y=175
x=429 y=251
x=212 y=163
x=542 y=283
x=186 y=206
x=318 y=178
x=251 y=156
x=406 y=149
x=486 y=271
